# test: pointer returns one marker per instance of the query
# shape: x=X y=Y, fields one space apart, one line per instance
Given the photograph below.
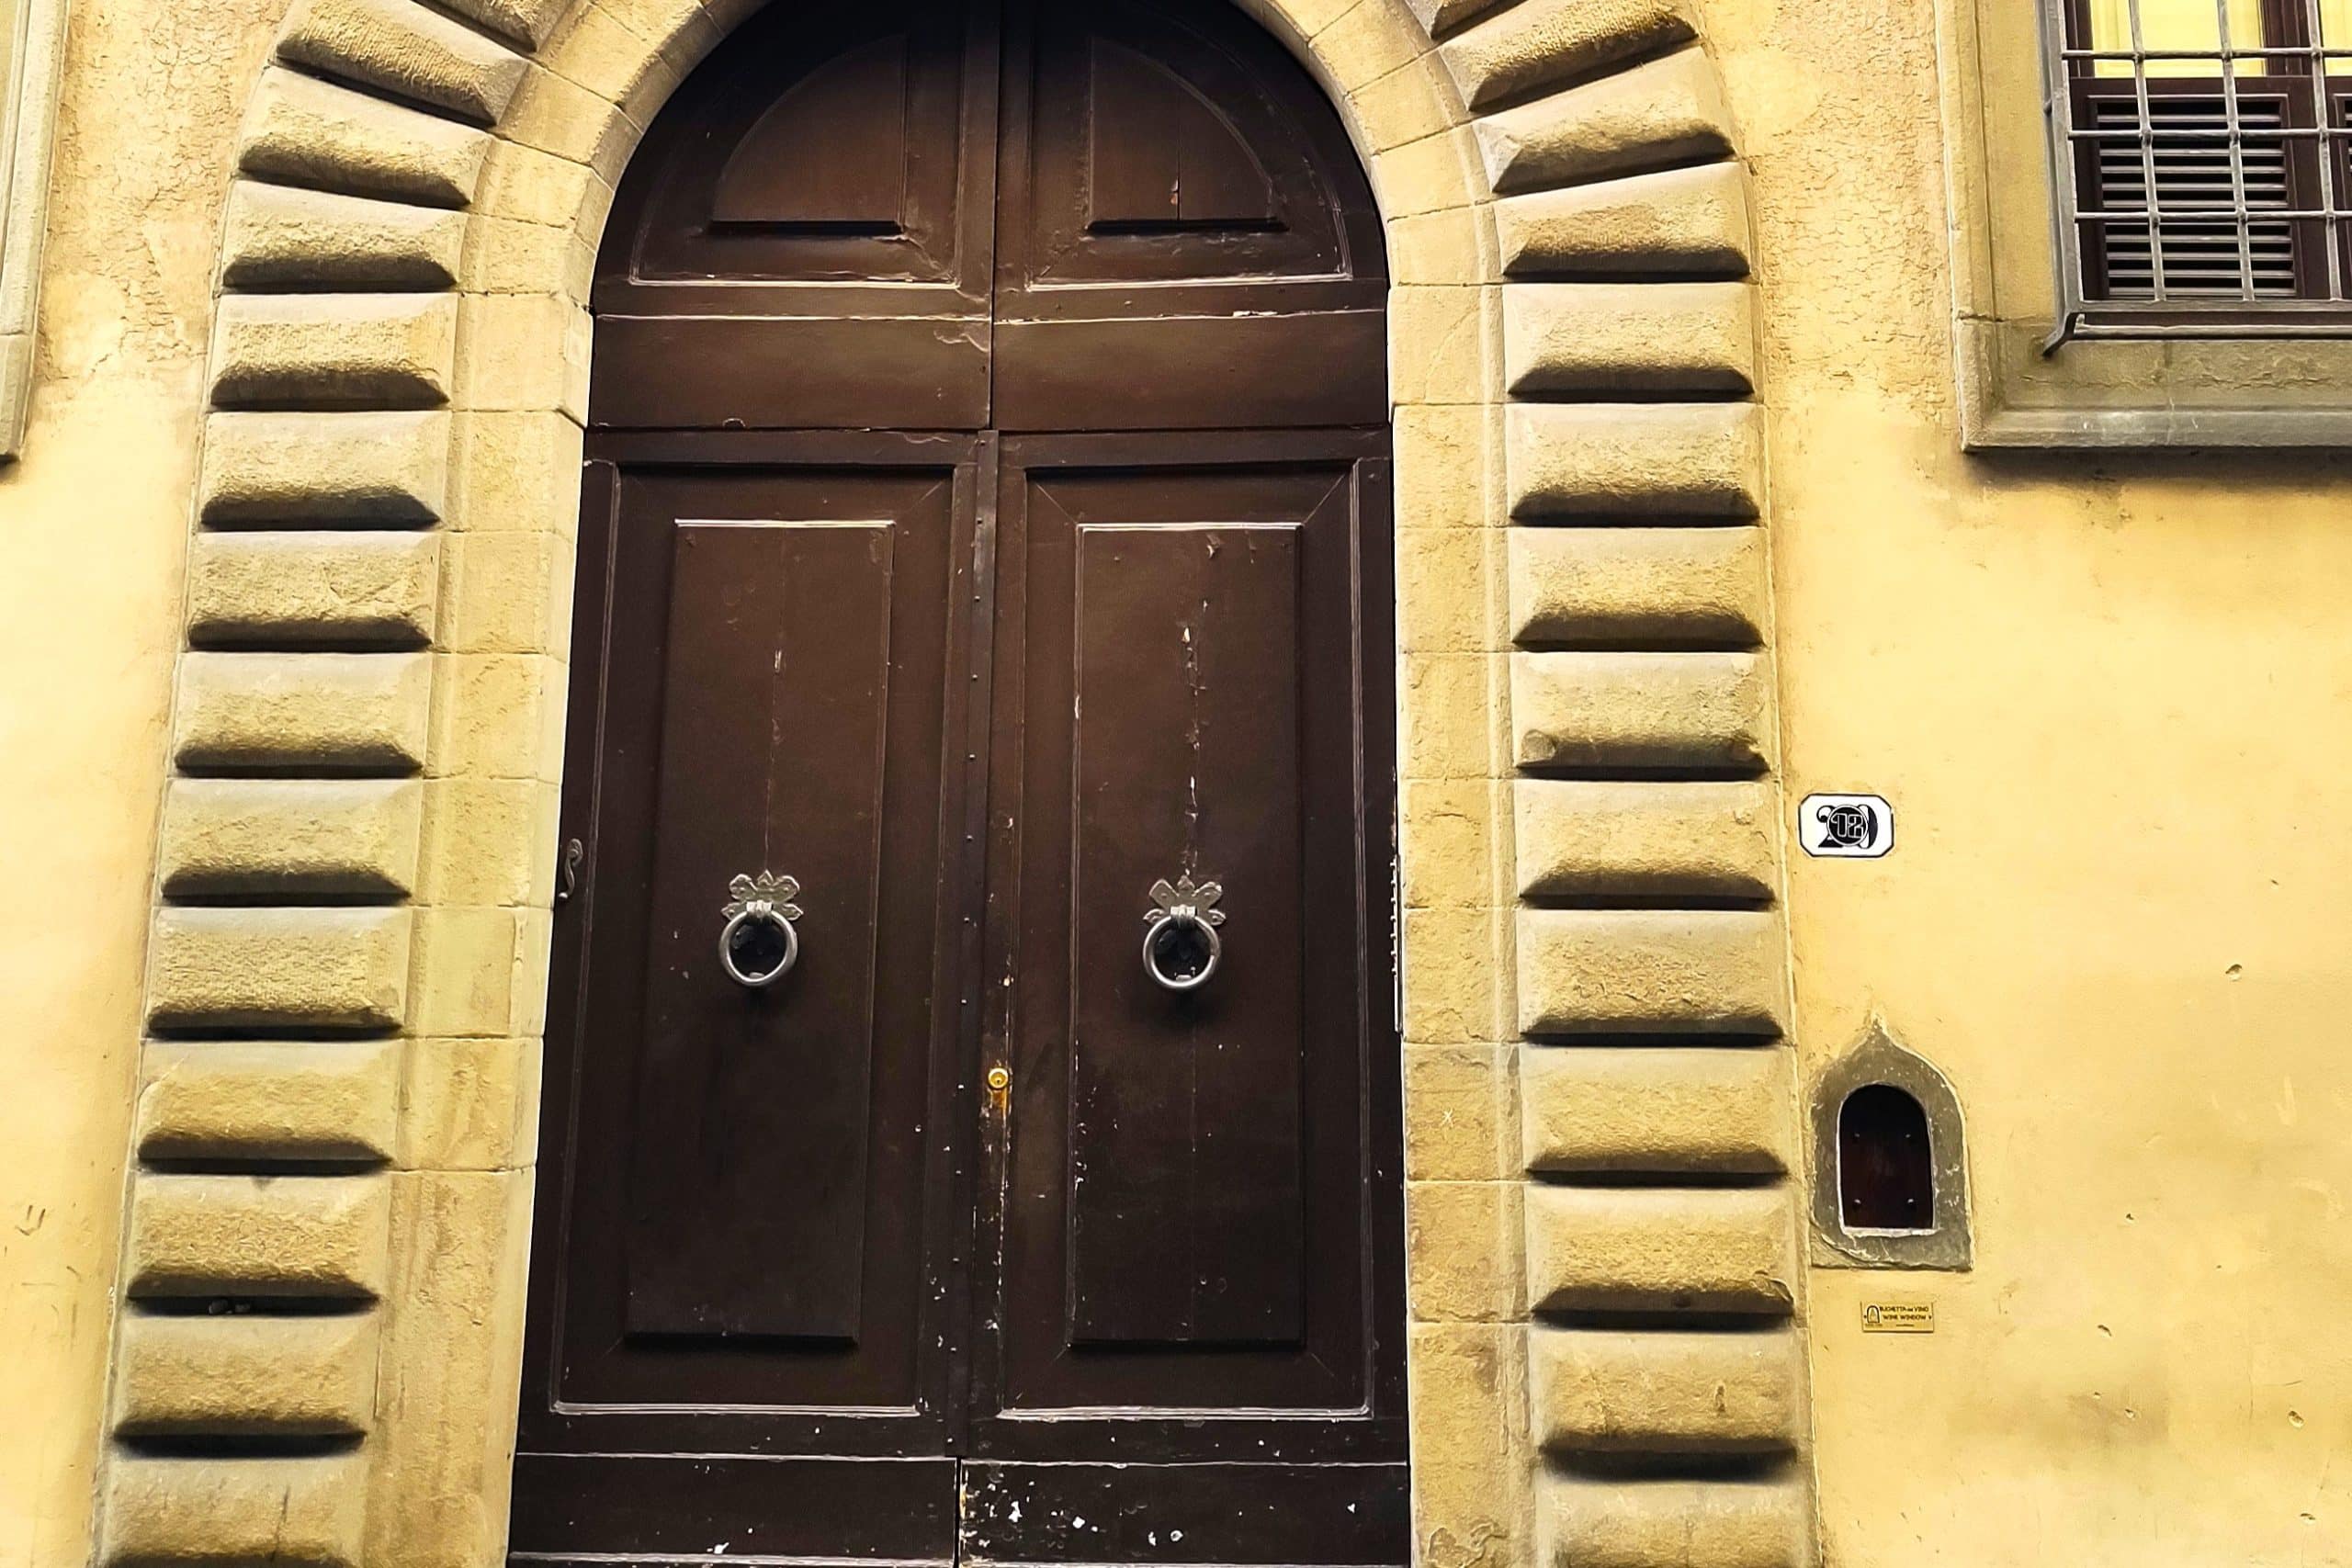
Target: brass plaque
x=1912 y=1316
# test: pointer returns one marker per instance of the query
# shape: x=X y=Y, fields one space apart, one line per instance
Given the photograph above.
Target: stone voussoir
x=1622 y=1522
x=373 y=351
x=1693 y=712
x=1657 y=1111
x=1663 y=112
x=1667 y=1392
x=1699 y=588
x=1602 y=338
x=1691 y=462
x=1538 y=42
x=1686 y=222
x=310 y=132
x=346 y=587
x=342 y=713
x=291 y=838
x=1662 y=1251
x=287 y=1237
x=303 y=1511
x=406 y=49
x=373 y=469
x=241 y=1375
x=270 y=1100
x=1682 y=972
x=261 y=967
x=280 y=236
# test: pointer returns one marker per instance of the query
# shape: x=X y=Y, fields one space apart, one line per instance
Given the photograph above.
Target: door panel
x=770 y=661
x=1198 y=1236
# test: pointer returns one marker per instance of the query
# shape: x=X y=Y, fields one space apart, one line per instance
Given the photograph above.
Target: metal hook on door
x=1181 y=946
x=761 y=900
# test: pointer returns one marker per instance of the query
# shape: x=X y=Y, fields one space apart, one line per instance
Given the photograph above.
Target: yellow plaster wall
x=93 y=531
x=2108 y=697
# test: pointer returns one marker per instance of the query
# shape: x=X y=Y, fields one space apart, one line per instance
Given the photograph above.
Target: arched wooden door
x=985 y=544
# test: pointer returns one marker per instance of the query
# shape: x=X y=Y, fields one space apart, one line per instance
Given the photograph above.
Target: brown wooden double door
x=967 y=1238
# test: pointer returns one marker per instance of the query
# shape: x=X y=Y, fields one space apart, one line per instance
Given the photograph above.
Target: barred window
x=2202 y=151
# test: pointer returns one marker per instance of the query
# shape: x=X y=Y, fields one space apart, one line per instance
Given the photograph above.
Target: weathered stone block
x=1695 y=712
x=1697 y=587
x=1665 y=1250
x=315 y=133
x=285 y=236
x=376 y=469
x=480 y=972
x=287 y=1237
x=1619 y=1522
x=340 y=586
x=489 y=842
x=1691 y=223
x=1537 y=42
x=1692 y=462
x=1462 y=1251
x=377 y=351
x=1461 y=1113
x=520 y=353
x=1579 y=838
x=517 y=473
x=497 y=716
x=405 y=50
x=1662 y=1391
x=525 y=21
x=305 y=1512
x=1473 y=1451
x=1665 y=111
x=317 y=711
x=245 y=1376
x=258 y=967
x=269 y=1100
x=506 y=593
x=291 y=838
x=1650 y=971
x=1599 y=338
x=1678 y=1110
x=470 y=1104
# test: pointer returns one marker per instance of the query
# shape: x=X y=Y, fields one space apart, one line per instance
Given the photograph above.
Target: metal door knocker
x=759 y=925
x=1180 y=947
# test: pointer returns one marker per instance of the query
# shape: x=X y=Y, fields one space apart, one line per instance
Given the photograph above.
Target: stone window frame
x=32 y=52
x=348 y=961
x=2113 y=393
x=1946 y=1242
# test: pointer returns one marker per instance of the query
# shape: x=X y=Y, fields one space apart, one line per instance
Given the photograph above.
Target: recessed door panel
x=1193 y=1218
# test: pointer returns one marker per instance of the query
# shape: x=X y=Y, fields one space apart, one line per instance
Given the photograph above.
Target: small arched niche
x=1890 y=1169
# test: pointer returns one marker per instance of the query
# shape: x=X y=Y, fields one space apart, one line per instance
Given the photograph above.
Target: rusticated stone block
x=1676 y=1110
x=1661 y=1392
x=255 y=968
x=1650 y=971
x=1538 y=42
x=286 y=1236
x=1605 y=461
x=339 y=586
x=1665 y=111
x=1580 y=838
x=243 y=1375
x=1698 y=586
x=1440 y=17
x=305 y=1512
x=368 y=469
x=1664 y=1250
x=525 y=21
x=314 y=712
x=291 y=838
x=1620 y=1522
x=333 y=350
x=1599 y=338
x=1695 y=712
x=1691 y=223
x=316 y=133
x=270 y=1100
x=286 y=236
x=405 y=50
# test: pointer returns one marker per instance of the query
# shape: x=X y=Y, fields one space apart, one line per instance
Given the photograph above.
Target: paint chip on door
x=1845 y=826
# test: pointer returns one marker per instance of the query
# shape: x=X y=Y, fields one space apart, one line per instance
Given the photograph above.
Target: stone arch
x=348 y=960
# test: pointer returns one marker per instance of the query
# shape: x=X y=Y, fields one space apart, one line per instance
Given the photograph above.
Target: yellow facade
x=2105 y=692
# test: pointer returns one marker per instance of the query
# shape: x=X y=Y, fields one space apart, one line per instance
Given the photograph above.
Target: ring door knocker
x=761 y=902
x=1183 y=927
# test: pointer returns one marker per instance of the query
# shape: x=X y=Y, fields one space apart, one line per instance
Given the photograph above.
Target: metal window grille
x=2203 y=190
